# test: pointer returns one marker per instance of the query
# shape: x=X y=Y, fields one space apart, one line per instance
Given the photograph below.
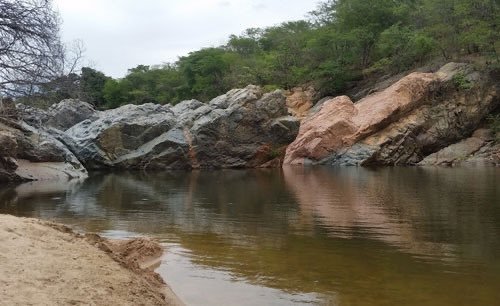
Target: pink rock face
x=340 y=123
x=299 y=101
x=324 y=131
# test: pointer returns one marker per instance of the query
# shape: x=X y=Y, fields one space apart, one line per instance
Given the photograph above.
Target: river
x=320 y=236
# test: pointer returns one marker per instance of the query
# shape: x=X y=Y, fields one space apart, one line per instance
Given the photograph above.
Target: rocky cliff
x=242 y=128
x=424 y=118
x=417 y=116
x=28 y=154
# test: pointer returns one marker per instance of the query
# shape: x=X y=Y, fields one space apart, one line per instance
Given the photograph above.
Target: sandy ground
x=42 y=263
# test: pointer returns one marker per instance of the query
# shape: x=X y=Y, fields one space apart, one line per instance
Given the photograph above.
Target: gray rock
x=245 y=131
x=118 y=133
x=238 y=129
x=32 y=154
x=479 y=149
x=357 y=155
x=318 y=105
x=237 y=97
x=69 y=112
x=62 y=115
x=185 y=106
x=33 y=116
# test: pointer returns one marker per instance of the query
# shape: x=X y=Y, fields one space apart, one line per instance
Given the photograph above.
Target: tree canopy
x=341 y=41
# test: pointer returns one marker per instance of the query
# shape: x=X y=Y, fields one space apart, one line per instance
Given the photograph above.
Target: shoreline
x=47 y=263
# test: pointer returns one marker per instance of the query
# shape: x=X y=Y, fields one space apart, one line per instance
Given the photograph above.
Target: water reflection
x=347 y=236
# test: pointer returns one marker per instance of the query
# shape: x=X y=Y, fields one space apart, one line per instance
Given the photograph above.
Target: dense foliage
x=340 y=42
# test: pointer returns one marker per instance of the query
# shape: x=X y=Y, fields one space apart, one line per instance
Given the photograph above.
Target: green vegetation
x=340 y=42
x=461 y=82
x=494 y=121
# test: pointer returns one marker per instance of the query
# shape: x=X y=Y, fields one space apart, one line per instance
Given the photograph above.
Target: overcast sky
x=121 y=34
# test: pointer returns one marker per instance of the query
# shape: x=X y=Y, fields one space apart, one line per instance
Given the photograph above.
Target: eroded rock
x=62 y=115
x=479 y=149
x=69 y=112
x=299 y=101
x=416 y=116
x=242 y=128
x=29 y=154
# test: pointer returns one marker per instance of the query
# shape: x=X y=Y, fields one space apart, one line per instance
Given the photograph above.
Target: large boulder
x=479 y=149
x=33 y=116
x=242 y=128
x=69 y=112
x=61 y=116
x=129 y=136
x=29 y=154
x=416 y=116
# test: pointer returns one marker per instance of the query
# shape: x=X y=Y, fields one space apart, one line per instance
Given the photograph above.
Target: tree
x=204 y=72
x=114 y=93
x=403 y=47
x=463 y=26
x=31 y=52
x=343 y=42
x=91 y=87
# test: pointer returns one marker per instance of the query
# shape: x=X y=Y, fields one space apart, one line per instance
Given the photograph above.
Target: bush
x=379 y=66
x=461 y=82
x=271 y=87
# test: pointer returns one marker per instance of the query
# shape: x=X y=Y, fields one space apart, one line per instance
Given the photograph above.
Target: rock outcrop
x=61 y=116
x=242 y=128
x=29 y=154
x=69 y=112
x=417 y=116
x=424 y=119
x=300 y=100
x=479 y=149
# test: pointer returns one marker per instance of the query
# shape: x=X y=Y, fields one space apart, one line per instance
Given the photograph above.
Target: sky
x=121 y=34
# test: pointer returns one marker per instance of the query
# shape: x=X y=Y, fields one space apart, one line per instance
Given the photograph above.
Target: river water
x=320 y=236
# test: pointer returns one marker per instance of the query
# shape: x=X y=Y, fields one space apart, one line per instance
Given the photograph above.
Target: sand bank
x=43 y=263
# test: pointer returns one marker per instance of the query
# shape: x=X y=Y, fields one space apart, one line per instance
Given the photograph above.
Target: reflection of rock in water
x=30 y=197
x=389 y=205
x=8 y=198
x=356 y=203
x=35 y=188
x=345 y=231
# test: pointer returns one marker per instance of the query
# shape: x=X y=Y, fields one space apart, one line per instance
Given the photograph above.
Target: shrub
x=271 y=87
x=461 y=82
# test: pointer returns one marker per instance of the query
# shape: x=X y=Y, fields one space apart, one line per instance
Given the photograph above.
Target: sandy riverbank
x=43 y=263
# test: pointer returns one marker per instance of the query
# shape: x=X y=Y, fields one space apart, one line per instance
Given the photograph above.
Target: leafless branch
x=31 y=52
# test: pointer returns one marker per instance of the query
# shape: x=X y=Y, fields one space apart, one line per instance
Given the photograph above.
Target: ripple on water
x=343 y=236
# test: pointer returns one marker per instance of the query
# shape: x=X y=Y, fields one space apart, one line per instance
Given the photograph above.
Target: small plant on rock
x=461 y=82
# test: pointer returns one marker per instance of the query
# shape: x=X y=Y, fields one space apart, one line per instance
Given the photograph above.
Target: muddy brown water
x=320 y=236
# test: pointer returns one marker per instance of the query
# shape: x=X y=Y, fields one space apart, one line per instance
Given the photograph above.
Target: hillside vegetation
x=340 y=42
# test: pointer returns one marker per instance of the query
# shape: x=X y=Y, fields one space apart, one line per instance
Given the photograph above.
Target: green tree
x=204 y=72
x=341 y=42
x=92 y=86
x=115 y=93
x=400 y=47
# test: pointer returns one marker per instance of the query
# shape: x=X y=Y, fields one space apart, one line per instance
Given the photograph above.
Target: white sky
x=121 y=34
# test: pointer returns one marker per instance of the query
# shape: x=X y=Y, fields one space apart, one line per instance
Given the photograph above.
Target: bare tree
x=73 y=56
x=31 y=52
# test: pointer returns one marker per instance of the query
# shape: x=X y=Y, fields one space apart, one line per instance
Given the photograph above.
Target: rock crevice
x=417 y=116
